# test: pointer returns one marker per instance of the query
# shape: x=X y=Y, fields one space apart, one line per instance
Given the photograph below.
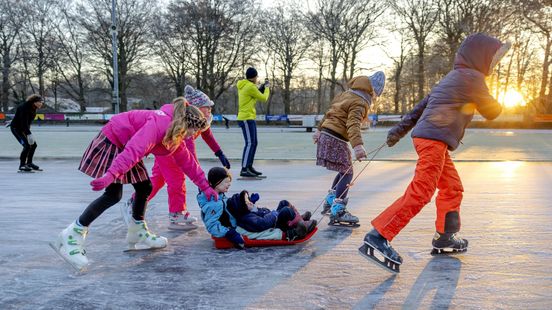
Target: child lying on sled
x=261 y=223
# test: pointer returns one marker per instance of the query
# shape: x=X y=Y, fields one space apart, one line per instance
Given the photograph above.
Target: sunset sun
x=512 y=99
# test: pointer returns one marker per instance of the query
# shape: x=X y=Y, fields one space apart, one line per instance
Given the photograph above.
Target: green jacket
x=248 y=94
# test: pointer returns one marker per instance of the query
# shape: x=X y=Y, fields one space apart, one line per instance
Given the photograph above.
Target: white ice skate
x=182 y=221
x=140 y=238
x=69 y=245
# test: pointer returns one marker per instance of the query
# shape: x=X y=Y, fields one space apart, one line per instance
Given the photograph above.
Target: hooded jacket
x=253 y=221
x=445 y=113
x=248 y=94
x=348 y=110
x=218 y=221
x=140 y=133
x=24 y=116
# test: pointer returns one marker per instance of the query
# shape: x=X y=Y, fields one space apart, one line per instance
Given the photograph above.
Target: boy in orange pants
x=439 y=122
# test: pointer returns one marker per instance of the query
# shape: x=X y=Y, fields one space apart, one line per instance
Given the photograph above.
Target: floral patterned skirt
x=333 y=153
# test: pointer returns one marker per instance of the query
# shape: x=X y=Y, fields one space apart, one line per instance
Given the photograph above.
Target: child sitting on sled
x=220 y=222
x=255 y=219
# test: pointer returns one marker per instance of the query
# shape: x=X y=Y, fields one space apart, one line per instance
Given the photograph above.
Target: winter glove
x=211 y=194
x=235 y=238
x=103 y=182
x=392 y=139
x=223 y=160
x=30 y=139
x=262 y=88
x=254 y=197
x=360 y=152
x=316 y=136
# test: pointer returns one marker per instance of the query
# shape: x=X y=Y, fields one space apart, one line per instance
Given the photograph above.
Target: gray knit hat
x=378 y=82
x=197 y=98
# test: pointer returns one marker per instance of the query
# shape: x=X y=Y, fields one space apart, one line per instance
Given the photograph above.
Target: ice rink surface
x=506 y=216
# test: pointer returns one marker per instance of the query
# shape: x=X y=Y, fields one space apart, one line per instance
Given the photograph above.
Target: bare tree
x=73 y=55
x=288 y=41
x=221 y=35
x=172 y=44
x=359 y=28
x=133 y=23
x=326 y=21
x=10 y=24
x=537 y=12
x=420 y=16
x=40 y=42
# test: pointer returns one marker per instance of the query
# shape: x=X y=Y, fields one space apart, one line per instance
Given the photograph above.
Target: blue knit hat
x=378 y=82
x=251 y=73
x=197 y=98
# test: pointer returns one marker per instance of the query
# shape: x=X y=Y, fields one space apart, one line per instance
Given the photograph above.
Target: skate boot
x=126 y=210
x=69 y=245
x=297 y=233
x=140 y=238
x=328 y=201
x=34 y=167
x=306 y=216
x=25 y=169
x=340 y=216
x=378 y=250
x=182 y=221
x=448 y=243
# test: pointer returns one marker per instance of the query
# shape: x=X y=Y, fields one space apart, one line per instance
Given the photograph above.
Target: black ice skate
x=378 y=250
x=247 y=174
x=34 y=167
x=448 y=243
x=25 y=169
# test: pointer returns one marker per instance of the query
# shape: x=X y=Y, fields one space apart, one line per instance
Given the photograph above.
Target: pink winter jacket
x=140 y=133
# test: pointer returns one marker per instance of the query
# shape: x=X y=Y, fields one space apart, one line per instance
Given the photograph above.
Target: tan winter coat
x=348 y=111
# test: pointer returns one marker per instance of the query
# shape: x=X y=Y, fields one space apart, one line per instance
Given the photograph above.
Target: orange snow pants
x=434 y=170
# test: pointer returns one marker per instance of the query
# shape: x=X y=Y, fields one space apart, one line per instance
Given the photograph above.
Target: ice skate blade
x=182 y=227
x=447 y=251
x=343 y=224
x=142 y=250
x=22 y=171
x=251 y=178
x=387 y=264
x=76 y=267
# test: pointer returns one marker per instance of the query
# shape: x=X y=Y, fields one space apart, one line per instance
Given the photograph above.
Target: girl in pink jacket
x=114 y=158
x=165 y=169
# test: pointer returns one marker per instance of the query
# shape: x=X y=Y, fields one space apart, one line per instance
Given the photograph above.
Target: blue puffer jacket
x=215 y=215
x=445 y=113
x=257 y=221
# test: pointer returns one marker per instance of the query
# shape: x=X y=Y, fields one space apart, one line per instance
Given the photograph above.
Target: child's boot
x=340 y=216
x=182 y=221
x=297 y=233
x=328 y=201
x=140 y=238
x=70 y=245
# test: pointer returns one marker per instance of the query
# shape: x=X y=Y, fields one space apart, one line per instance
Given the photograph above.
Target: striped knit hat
x=197 y=98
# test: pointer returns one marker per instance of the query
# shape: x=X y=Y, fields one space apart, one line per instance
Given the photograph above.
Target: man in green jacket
x=248 y=94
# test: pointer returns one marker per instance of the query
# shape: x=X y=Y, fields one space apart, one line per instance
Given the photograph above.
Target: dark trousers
x=249 y=129
x=112 y=195
x=27 y=154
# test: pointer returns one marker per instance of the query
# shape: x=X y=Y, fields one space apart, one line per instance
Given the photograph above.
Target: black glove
x=262 y=88
x=235 y=238
x=392 y=139
x=223 y=160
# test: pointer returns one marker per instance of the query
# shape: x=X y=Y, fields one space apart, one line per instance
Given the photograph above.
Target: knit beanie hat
x=378 y=82
x=251 y=73
x=216 y=175
x=196 y=97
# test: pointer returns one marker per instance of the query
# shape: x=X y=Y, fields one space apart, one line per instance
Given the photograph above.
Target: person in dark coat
x=21 y=130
